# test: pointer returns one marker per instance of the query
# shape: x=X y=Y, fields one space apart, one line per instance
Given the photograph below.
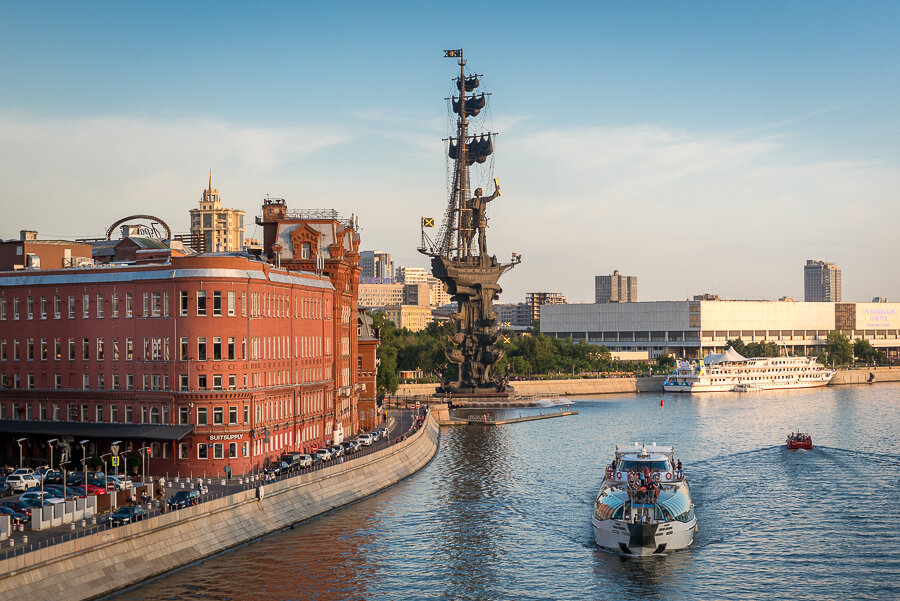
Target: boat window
x=655 y=466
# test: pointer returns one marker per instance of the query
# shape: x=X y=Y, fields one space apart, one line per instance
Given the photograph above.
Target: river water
x=504 y=512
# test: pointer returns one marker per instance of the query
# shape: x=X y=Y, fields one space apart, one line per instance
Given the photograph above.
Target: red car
x=20 y=506
x=92 y=489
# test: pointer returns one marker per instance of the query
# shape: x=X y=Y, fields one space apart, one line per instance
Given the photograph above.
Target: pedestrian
x=228 y=471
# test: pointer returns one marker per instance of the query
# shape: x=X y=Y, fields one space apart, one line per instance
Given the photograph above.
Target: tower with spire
x=214 y=228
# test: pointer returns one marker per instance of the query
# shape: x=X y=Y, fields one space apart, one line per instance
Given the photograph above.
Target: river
x=504 y=512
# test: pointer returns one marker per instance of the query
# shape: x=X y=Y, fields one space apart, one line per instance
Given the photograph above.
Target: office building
x=216 y=229
x=693 y=329
x=821 y=282
x=615 y=288
x=376 y=264
x=535 y=300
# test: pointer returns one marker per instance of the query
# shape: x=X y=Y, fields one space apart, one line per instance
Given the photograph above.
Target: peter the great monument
x=464 y=265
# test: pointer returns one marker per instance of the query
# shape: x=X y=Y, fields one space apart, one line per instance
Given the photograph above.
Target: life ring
x=668 y=475
x=618 y=475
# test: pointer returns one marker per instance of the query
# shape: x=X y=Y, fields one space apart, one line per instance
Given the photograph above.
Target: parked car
x=19 y=506
x=15 y=517
x=24 y=470
x=36 y=503
x=382 y=432
x=350 y=446
x=53 y=477
x=323 y=454
x=278 y=468
x=47 y=497
x=118 y=483
x=304 y=460
x=21 y=482
x=92 y=489
x=336 y=451
x=60 y=492
x=316 y=460
x=183 y=498
x=292 y=459
x=365 y=439
x=126 y=515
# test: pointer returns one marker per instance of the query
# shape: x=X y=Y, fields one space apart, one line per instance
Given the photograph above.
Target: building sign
x=377 y=280
x=146 y=226
x=870 y=316
x=226 y=436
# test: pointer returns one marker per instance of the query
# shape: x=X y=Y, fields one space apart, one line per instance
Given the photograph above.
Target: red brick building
x=211 y=360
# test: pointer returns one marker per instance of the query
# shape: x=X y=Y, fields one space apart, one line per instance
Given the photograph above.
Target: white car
x=323 y=454
x=119 y=483
x=36 y=495
x=304 y=461
x=365 y=439
x=24 y=470
x=21 y=482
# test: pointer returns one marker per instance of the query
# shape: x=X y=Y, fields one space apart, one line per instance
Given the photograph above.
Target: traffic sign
x=115 y=462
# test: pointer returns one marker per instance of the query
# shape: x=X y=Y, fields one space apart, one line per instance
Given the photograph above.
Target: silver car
x=323 y=454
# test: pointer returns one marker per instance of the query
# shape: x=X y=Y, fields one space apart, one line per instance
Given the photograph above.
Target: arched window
x=154 y=415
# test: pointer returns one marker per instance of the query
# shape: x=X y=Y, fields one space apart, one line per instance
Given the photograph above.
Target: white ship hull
x=643 y=539
x=698 y=388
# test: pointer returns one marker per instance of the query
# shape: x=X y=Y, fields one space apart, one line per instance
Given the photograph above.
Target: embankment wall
x=98 y=564
x=864 y=375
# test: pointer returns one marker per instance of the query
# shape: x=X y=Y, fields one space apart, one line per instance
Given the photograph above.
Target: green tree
x=738 y=345
x=666 y=361
x=838 y=349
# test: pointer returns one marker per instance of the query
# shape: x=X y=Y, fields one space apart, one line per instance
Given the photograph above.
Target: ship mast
x=462 y=169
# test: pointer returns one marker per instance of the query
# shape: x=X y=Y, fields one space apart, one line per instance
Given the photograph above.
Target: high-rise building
x=376 y=264
x=534 y=300
x=412 y=275
x=821 y=282
x=214 y=229
x=515 y=315
x=615 y=288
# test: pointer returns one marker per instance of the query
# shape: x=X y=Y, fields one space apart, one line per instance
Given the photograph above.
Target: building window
x=100 y=306
x=114 y=304
x=156 y=304
x=3 y=308
x=86 y=349
x=115 y=381
x=231 y=303
x=57 y=380
x=29 y=349
x=201 y=382
x=201 y=416
x=202 y=451
x=305 y=250
x=100 y=351
x=129 y=349
x=30 y=383
x=29 y=305
x=101 y=381
x=16 y=308
x=99 y=414
x=85 y=381
x=183 y=415
x=43 y=349
x=129 y=304
x=183 y=450
x=217 y=349
x=71 y=306
x=246 y=414
x=143 y=415
x=183 y=382
x=57 y=349
x=154 y=415
x=201 y=302
x=217 y=382
x=231 y=348
x=115 y=349
x=85 y=306
x=71 y=349
x=84 y=413
x=217 y=302
x=128 y=414
x=201 y=349
x=232 y=450
x=232 y=382
x=218 y=416
x=43 y=307
x=218 y=451
x=243 y=305
x=183 y=303
x=129 y=381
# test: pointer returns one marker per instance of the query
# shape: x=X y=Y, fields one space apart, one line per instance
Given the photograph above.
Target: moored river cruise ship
x=731 y=372
x=644 y=505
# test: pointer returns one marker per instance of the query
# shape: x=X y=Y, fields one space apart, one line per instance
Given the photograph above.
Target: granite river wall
x=95 y=565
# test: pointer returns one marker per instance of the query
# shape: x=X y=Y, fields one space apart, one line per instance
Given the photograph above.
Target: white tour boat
x=648 y=517
x=729 y=371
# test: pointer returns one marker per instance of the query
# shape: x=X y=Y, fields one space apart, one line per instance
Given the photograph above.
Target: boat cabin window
x=655 y=466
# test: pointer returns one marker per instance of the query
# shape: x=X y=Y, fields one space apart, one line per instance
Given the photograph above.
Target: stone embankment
x=98 y=564
x=527 y=390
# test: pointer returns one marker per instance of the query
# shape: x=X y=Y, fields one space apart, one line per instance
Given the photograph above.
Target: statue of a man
x=479 y=215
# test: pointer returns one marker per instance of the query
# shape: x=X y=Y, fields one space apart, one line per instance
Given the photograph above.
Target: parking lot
x=24 y=540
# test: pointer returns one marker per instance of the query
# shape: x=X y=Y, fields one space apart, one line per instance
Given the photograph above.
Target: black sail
x=477 y=150
x=473 y=105
x=471 y=83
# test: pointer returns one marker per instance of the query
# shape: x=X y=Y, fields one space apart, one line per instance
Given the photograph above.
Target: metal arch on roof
x=148 y=217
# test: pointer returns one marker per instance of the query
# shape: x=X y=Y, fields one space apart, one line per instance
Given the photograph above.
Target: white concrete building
x=695 y=328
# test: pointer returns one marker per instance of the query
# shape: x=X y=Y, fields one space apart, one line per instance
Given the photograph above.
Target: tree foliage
x=755 y=349
x=866 y=353
x=665 y=361
x=838 y=349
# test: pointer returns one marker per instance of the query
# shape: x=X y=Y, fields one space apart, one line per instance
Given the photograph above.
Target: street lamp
x=20 y=441
x=106 y=473
x=114 y=448
x=83 y=444
x=51 y=442
x=144 y=451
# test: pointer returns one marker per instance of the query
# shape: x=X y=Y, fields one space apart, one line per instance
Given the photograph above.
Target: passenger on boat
x=679 y=471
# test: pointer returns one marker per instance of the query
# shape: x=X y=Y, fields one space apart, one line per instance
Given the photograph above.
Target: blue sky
x=702 y=146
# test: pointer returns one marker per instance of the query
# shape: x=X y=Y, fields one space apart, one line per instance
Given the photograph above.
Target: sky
x=700 y=146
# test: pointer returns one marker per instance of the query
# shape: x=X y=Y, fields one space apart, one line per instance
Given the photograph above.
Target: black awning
x=94 y=430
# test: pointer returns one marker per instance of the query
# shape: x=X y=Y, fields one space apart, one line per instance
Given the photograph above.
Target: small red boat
x=799 y=440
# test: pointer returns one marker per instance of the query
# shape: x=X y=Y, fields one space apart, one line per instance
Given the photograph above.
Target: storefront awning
x=94 y=430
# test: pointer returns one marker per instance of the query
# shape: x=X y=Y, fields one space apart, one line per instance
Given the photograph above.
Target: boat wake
x=551 y=402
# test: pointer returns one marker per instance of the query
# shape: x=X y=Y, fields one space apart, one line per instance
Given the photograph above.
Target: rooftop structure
x=535 y=300
x=821 y=282
x=214 y=228
x=615 y=288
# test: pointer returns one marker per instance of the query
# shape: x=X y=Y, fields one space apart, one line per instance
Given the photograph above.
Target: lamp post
x=50 y=443
x=63 y=462
x=83 y=444
x=144 y=451
x=114 y=450
x=20 y=441
x=106 y=472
